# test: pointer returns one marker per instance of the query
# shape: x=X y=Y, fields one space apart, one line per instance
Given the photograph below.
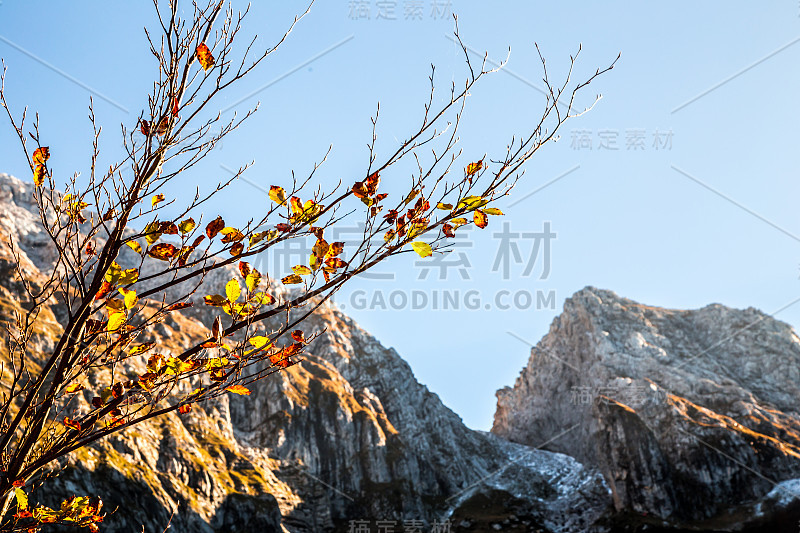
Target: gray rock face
x=691 y=416
x=348 y=434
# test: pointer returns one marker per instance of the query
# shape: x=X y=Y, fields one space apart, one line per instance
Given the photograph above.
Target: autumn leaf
x=492 y=211
x=252 y=280
x=179 y=305
x=157 y=199
x=142 y=348
x=263 y=298
x=260 y=236
x=292 y=279
x=448 y=230
x=185 y=408
x=277 y=194
x=444 y=207
x=456 y=222
x=204 y=56
x=299 y=336
x=39 y=174
x=135 y=246
x=481 y=220
x=233 y=290
x=335 y=249
x=237 y=249
x=128 y=276
x=152 y=232
x=115 y=321
x=335 y=262
x=22 y=498
x=422 y=248
x=214 y=299
x=238 y=389
x=283 y=227
x=72 y=424
x=187 y=225
x=260 y=341
x=214 y=227
x=130 y=297
x=174 y=107
x=244 y=268
x=168 y=228
x=73 y=388
x=301 y=270
x=231 y=235
x=216 y=329
x=40 y=155
x=144 y=127
x=105 y=288
x=163 y=251
x=474 y=168
x=296 y=205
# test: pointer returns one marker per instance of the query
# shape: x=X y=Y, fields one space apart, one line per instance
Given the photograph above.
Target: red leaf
x=183 y=409
x=214 y=227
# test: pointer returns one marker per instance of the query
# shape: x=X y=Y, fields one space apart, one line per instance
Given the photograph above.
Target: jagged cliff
x=654 y=420
x=348 y=434
x=693 y=417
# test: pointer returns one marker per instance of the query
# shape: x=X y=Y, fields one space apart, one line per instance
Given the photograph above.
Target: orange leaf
x=448 y=230
x=179 y=305
x=238 y=389
x=105 y=288
x=237 y=249
x=183 y=409
x=175 y=107
x=38 y=174
x=204 y=56
x=244 y=268
x=214 y=227
x=163 y=251
x=144 y=127
x=40 y=155
x=298 y=335
x=481 y=220
x=283 y=227
x=292 y=279
x=72 y=424
x=473 y=168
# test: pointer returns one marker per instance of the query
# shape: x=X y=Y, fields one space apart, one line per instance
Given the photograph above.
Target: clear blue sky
x=625 y=219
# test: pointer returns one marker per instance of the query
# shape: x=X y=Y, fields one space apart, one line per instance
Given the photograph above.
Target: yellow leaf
x=238 y=389
x=302 y=270
x=292 y=279
x=472 y=202
x=233 y=290
x=130 y=297
x=115 y=321
x=22 y=499
x=252 y=280
x=128 y=276
x=141 y=348
x=135 y=246
x=186 y=225
x=73 y=388
x=157 y=199
x=492 y=211
x=460 y=221
x=259 y=341
x=277 y=194
x=422 y=248
x=444 y=207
